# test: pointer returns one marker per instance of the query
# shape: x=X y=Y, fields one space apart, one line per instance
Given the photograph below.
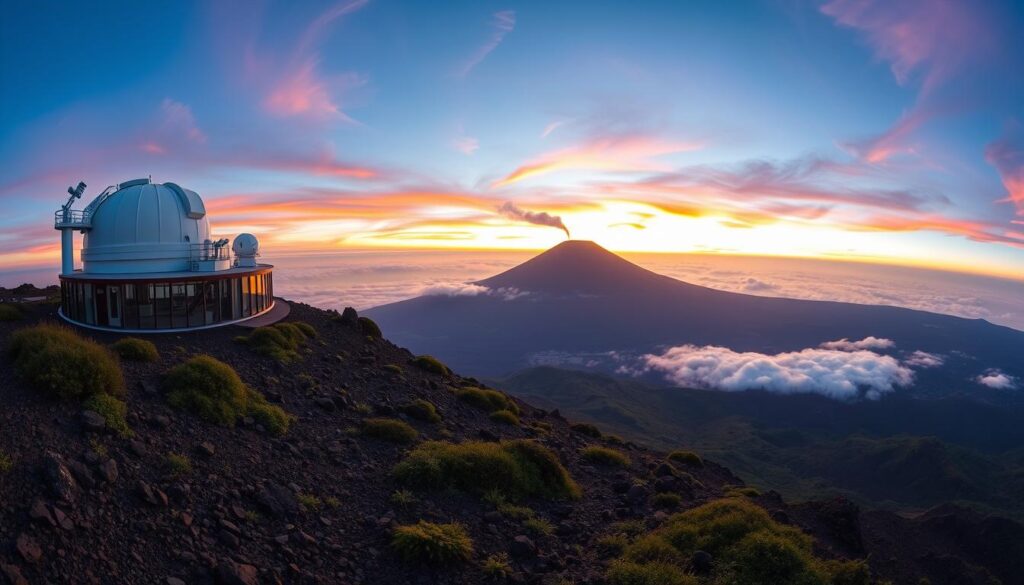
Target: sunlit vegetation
x=280 y=341
x=213 y=391
x=506 y=417
x=487 y=399
x=746 y=544
x=57 y=361
x=433 y=544
x=177 y=464
x=686 y=458
x=429 y=363
x=513 y=469
x=423 y=410
x=135 y=349
x=604 y=456
x=389 y=429
x=112 y=409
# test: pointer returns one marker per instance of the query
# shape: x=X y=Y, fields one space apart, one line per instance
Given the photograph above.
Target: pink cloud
x=927 y=41
x=1006 y=154
x=299 y=88
x=932 y=38
x=503 y=23
x=615 y=154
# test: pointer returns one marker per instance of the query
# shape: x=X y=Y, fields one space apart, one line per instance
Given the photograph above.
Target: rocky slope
x=80 y=504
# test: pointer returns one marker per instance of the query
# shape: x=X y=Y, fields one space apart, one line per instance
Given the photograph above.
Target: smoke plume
x=512 y=211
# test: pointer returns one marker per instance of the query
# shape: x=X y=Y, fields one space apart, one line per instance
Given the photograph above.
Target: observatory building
x=150 y=263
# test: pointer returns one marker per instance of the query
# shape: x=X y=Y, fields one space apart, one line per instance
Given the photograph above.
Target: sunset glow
x=847 y=129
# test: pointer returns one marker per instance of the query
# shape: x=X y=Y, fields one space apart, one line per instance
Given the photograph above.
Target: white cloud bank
x=840 y=369
x=871 y=342
x=466 y=289
x=997 y=380
x=923 y=359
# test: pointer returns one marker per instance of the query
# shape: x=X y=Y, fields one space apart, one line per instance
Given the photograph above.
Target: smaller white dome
x=245 y=246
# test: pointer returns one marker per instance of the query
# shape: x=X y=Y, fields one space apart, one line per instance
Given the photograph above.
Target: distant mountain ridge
x=580 y=299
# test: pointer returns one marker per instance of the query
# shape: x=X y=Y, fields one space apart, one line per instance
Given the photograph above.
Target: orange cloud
x=1007 y=155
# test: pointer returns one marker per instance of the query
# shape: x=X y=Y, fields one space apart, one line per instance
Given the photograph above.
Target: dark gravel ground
x=79 y=506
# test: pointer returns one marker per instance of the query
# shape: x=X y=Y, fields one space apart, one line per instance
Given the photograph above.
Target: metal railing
x=72 y=218
x=207 y=252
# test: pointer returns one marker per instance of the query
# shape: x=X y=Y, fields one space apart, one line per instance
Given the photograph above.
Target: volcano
x=578 y=303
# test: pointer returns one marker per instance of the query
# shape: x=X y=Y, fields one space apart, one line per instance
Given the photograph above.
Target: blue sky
x=856 y=129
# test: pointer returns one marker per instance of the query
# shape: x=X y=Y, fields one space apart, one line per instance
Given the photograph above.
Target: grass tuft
x=586 y=429
x=57 y=361
x=506 y=417
x=177 y=464
x=370 y=328
x=511 y=469
x=486 y=399
x=433 y=544
x=136 y=350
x=212 y=390
x=429 y=363
x=605 y=456
x=421 y=409
x=280 y=341
x=112 y=410
x=686 y=458
x=389 y=429
x=9 y=312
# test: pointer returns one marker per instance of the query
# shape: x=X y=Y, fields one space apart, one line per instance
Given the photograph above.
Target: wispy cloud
x=611 y=154
x=502 y=23
x=1006 y=154
x=298 y=88
x=466 y=144
x=926 y=43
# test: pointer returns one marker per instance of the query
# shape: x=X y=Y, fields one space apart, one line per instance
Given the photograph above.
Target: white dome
x=245 y=246
x=144 y=227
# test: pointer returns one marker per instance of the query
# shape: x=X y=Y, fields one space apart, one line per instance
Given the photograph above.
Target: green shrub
x=506 y=417
x=309 y=502
x=421 y=409
x=6 y=463
x=686 y=458
x=605 y=456
x=177 y=464
x=747 y=545
x=136 y=350
x=586 y=429
x=403 y=499
x=9 y=312
x=740 y=491
x=389 y=429
x=306 y=329
x=431 y=364
x=513 y=469
x=433 y=544
x=628 y=573
x=515 y=512
x=539 y=526
x=272 y=418
x=394 y=369
x=213 y=391
x=369 y=328
x=112 y=410
x=57 y=361
x=611 y=545
x=486 y=399
x=666 y=501
x=280 y=341
x=497 y=567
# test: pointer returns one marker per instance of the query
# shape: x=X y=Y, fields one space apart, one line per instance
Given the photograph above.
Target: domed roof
x=144 y=227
